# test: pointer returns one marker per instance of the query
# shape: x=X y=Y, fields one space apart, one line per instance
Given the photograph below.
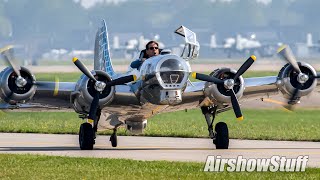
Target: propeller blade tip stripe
x=90 y=121
x=253 y=57
x=134 y=77
x=194 y=75
x=6 y=48
x=281 y=48
x=74 y=59
x=240 y=118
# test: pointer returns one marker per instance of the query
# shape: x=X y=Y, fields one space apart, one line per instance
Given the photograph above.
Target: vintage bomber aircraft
x=162 y=85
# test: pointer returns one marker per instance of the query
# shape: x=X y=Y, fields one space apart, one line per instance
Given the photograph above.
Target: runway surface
x=155 y=148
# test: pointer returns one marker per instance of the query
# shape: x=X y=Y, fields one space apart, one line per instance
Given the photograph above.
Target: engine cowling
x=13 y=94
x=288 y=81
x=217 y=92
x=82 y=97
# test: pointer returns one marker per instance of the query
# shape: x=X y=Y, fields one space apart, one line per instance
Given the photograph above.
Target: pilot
x=152 y=49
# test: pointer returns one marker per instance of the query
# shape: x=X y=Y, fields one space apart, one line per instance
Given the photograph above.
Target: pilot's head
x=152 y=49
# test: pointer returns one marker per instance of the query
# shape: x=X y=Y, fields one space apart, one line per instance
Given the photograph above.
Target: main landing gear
x=87 y=134
x=221 y=135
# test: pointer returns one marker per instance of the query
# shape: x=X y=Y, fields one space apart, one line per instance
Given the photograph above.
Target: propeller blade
x=93 y=107
x=8 y=55
x=8 y=98
x=294 y=94
x=317 y=76
x=83 y=68
x=286 y=53
x=287 y=108
x=235 y=105
x=204 y=77
x=245 y=66
x=122 y=80
x=274 y=101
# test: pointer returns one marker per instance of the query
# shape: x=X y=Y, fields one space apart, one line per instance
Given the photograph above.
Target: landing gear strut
x=221 y=135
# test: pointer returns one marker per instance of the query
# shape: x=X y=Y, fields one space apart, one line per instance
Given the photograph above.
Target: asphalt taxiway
x=155 y=148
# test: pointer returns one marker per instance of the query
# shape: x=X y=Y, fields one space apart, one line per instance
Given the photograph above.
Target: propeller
x=286 y=54
x=229 y=84
x=8 y=54
x=99 y=87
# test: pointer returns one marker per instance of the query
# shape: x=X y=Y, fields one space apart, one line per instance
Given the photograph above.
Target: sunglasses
x=152 y=48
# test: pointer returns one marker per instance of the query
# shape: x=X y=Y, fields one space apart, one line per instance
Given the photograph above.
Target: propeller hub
x=20 y=81
x=228 y=84
x=302 y=78
x=99 y=86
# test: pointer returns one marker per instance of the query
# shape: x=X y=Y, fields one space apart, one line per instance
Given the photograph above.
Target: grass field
x=46 y=167
x=63 y=77
x=275 y=124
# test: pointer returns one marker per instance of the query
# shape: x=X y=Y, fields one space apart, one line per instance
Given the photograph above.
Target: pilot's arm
x=137 y=63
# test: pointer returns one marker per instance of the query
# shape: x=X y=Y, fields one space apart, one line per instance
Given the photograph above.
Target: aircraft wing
x=207 y=94
x=256 y=87
x=59 y=95
x=44 y=97
x=260 y=86
x=55 y=94
x=225 y=87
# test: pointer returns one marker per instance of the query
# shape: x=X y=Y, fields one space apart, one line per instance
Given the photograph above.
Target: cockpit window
x=171 y=65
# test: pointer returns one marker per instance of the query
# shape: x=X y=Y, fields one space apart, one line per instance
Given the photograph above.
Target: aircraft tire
x=86 y=136
x=114 y=141
x=222 y=136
